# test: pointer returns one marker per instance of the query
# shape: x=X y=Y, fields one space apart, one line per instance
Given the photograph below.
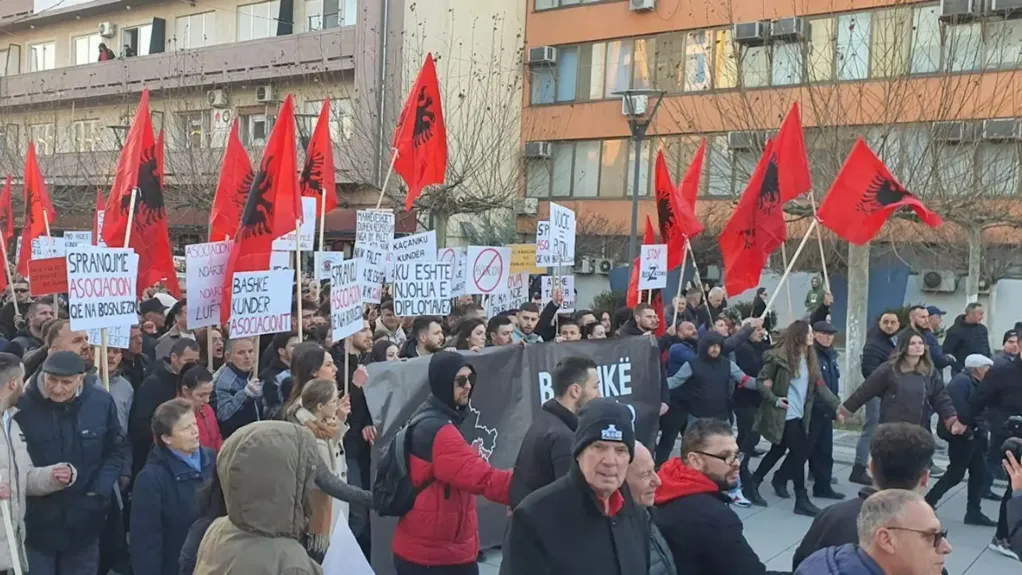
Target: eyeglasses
x=463 y=380
x=728 y=458
x=20 y=290
x=938 y=536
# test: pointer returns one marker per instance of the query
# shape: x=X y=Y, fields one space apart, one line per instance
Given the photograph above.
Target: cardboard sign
x=517 y=293
x=523 y=259
x=373 y=228
x=324 y=261
x=280 y=260
x=261 y=302
x=562 y=234
x=119 y=336
x=413 y=248
x=47 y=276
x=544 y=255
x=48 y=247
x=489 y=269
x=205 y=265
x=455 y=257
x=73 y=239
x=567 y=287
x=345 y=299
x=422 y=288
x=372 y=273
x=286 y=242
x=653 y=267
x=101 y=287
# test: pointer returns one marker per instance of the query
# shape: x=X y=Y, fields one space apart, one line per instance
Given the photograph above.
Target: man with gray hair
x=899 y=534
x=237 y=396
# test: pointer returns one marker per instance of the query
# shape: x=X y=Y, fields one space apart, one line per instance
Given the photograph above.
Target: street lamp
x=636 y=106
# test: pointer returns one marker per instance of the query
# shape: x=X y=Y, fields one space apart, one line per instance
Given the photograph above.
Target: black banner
x=513 y=382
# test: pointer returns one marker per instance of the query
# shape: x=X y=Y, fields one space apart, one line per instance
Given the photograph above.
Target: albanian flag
x=420 y=141
x=97 y=219
x=666 y=202
x=38 y=209
x=318 y=177
x=273 y=205
x=756 y=227
x=793 y=177
x=6 y=214
x=231 y=190
x=864 y=195
x=115 y=218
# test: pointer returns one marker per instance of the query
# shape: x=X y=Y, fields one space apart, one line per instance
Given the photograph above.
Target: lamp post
x=636 y=105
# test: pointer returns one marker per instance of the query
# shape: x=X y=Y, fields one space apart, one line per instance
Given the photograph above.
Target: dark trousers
x=821 y=450
x=358 y=515
x=994 y=457
x=966 y=455
x=795 y=443
x=113 y=543
x=403 y=567
x=672 y=424
x=746 y=415
x=1003 y=531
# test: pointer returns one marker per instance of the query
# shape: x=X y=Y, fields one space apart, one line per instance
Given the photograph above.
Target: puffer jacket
x=877 y=350
x=661 y=561
x=266 y=469
x=964 y=339
x=844 y=560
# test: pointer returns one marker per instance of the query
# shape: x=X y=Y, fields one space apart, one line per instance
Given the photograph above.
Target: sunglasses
x=937 y=536
x=463 y=380
x=20 y=290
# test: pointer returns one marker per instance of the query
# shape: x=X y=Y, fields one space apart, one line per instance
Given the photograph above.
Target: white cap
x=978 y=360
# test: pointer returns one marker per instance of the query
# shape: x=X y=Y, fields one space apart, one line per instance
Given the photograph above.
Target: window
x=821 y=50
x=719 y=171
x=755 y=66
x=1004 y=44
x=313 y=15
x=139 y=38
x=567 y=74
x=954 y=167
x=3 y=63
x=542 y=82
x=670 y=51
x=85 y=49
x=642 y=64
x=891 y=33
x=619 y=67
x=917 y=159
x=697 y=56
x=743 y=164
x=42 y=56
x=561 y=164
x=195 y=31
x=787 y=65
x=42 y=135
x=725 y=67
x=349 y=15
x=645 y=162
x=963 y=47
x=85 y=135
x=258 y=20
x=548 y=4
x=341 y=118
x=9 y=141
x=925 y=39
x=997 y=164
x=537 y=178
x=597 y=66
x=586 y=175
x=853 y=46
x=193 y=129
x=613 y=166
x=255 y=128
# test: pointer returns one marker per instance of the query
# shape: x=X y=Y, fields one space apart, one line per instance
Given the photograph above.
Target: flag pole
x=322 y=220
x=298 y=276
x=131 y=216
x=681 y=282
x=104 y=367
x=787 y=286
x=12 y=542
x=347 y=355
x=791 y=264
x=46 y=222
x=386 y=180
x=819 y=241
x=209 y=348
x=699 y=282
x=10 y=278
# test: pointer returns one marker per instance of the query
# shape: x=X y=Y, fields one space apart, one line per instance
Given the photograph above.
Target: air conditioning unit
x=603 y=266
x=790 y=29
x=952 y=131
x=1006 y=5
x=583 y=266
x=751 y=32
x=634 y=104
x=641 y=5
x=939 y=280
x=984 y=287
x=217 y=98
x=538 y=150
x=107 y=29
x=543 y=56
x=1002 y=130
x=743 y=140
x=526 y=206
x=958 y=10
x=266 y=94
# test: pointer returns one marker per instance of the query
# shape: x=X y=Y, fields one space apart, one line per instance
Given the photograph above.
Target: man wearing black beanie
x=585 y=522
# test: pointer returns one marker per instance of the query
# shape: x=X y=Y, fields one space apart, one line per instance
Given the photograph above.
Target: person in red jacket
x=440 y=535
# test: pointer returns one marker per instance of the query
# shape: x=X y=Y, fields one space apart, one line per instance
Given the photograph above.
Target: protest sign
x=47 y=276
x=344 y=556
x=286 y=242
x=345 y=299
x=101 y=287
x=653 y=267
x=413 y=248
x=371 y=273
x=48 y=247
x=455 y=257
x=544 y=254
x=261 y=302
x=119 y=337
x=73 y=239
x=280 y=260
x=517 y=293
x=562 y=234
x=567 y=284
x=422 y=288
x=324 y=261
x=489 y=269
x=373 y=228
x=523 y=259
x=205 y=265
x=100 y=217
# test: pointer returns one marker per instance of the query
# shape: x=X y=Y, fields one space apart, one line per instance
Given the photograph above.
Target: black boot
x=826 y=492
x=750 y=490
x=860 y=476
x=781 y=489
x=976 y=517
x=803 y=506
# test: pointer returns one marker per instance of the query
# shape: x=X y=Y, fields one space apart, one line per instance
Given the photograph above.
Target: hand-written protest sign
x=286 y=242
x=455 y=257
x=345 y=299
x=414 y=248
x=101 y=287
x=567 y=284
x=73 y=239
x=489 y=269
x=119 y=337
x=325 y=261
x=280 y=260
x=371 y=273
x=422 y=288
x=100 y=217
x=653 y=267
x=517 y=293
x=48 y=247
x=523 y=259
x=373 y=228
x=562 y=230
x=261 y=302
x=205 y=265
x=47 y=276
x=544 y=253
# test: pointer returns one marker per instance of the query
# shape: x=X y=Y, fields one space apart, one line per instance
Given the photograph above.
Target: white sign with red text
x=345 y=299
x=101 y=287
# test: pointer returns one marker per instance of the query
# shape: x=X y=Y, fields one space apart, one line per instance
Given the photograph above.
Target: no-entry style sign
x=488 y=270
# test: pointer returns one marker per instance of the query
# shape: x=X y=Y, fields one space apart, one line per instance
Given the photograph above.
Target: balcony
x=331 y=50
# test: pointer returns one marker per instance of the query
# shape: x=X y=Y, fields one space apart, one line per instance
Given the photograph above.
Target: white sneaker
x=738 y=499
x=1001 y=547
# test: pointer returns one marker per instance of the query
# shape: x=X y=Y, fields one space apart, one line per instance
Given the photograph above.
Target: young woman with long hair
x=309 y=361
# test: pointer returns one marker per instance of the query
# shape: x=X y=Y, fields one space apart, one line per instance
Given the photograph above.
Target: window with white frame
x=42 y=135
x=195 y=31
x=255 y=129
x=85 y=49
x=139 y=38
x=349 y=14
x=192 y=129
x=3 y=63
x=313 y=15
x=258 y=20
x=42 y=56
x=853 y=46
x=341 y=118
x=85 y=135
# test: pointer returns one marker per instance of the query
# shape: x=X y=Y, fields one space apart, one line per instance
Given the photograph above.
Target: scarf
x=193 y=460
x=321 y=523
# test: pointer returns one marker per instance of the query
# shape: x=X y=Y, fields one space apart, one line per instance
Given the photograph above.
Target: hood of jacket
x=845 y=559
x=443 y=366
x=629 y=328
x=709 y=339
x=679 y=480
x=268 y=471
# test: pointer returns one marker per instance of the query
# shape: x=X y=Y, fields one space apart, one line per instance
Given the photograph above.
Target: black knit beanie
x=604 y=420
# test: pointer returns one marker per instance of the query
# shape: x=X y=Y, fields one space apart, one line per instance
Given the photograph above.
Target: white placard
x=261 y=302
x=286 y=242
x=75 y=238
x=413 y=248
x=205 y=265
x=324 y=261
x=455 y=257
x=373 y=228
x=119 y=337
x=422 y=288
x=653 y=266
x=371 y=273
x=517 y=293
x=567 y=287
x=101 y=286
x=344 y=556
x=345 y=299
x=488 y=270
x=48 y=247
x=280 y=260
x=544 y=255
x=562 y=234
x=100 y=218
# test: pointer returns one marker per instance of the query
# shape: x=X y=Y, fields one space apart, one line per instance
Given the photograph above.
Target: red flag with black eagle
x=6 y=226
x=676 y=206
x=420 y=141
x=273 y=205
x=864 y=195
x=318 y=177
x=231 y=189
x=115 y=215
x=38 y=209
x=97 y=229
x=793 y=177
x=756 y=227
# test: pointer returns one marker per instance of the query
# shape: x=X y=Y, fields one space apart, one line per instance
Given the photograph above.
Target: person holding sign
x=237 y=395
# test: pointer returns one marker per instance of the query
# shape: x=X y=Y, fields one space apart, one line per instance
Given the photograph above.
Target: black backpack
x=393 y=492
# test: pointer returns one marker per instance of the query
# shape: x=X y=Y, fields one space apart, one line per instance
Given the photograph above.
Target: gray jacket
x=1015 y=522
x=661 y=561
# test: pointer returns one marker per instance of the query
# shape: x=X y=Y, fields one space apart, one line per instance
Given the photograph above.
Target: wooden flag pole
x=322 y=220
x=787 y=286
x=386 y=180
x=649 y=296
x=347 y=354
x=791 y=264
x=46 y=222
x=699 y=282
x=819 y=241
x=298 y=276
x=10 y=279
x=104 y=367
x=131 y=217
x=681 y=283
x=12 y=541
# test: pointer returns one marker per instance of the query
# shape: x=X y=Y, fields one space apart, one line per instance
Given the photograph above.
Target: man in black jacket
x=901 y=454
x=586 y=522
x=31 y=336
x=967 y=336
x=695 y=311
x=545 y=454
x=879 y=346
x=749 y=357
x=643 y=321
x=821 y=424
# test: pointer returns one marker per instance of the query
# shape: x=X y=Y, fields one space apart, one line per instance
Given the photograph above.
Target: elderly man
x=64 y=420
x=237 y=395
x=585 y=522
x=643 y=482
x=898 y=533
